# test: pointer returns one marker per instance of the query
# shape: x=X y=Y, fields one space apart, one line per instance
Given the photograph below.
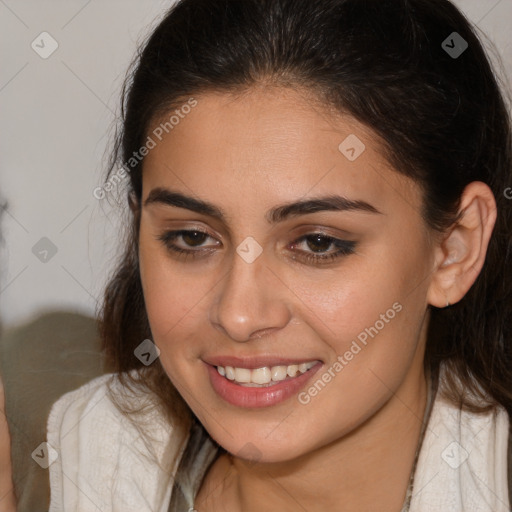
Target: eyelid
x=340 y=245
x=180 y=227
x=313 y=229
x=177 y=233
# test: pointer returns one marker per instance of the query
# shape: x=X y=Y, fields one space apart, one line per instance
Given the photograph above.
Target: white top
x=105 y=465
x=462 y=465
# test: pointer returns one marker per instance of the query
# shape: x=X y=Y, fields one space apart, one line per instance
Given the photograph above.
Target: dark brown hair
x=441 y=120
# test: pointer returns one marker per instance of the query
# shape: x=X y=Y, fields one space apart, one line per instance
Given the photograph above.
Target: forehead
x=257 y=123
x=274 y=143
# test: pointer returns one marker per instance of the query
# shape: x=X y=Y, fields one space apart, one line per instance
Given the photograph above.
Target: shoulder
x=104 y=459
x=74 y=405
x=464 y=456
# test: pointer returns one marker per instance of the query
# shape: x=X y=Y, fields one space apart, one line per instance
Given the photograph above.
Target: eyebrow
x=277 y=214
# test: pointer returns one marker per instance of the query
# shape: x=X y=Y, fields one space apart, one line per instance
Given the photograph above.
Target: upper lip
x=252 y=362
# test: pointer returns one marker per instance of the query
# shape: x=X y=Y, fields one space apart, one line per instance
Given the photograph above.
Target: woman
x=313 y=308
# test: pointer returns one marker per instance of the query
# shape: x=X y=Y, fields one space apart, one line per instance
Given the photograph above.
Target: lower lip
x=252 y=397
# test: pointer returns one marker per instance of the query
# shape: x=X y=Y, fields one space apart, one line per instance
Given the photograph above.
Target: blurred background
x=63 y=63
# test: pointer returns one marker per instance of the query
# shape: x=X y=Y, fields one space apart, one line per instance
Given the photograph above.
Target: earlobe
x=453 y=252
x=461 y=253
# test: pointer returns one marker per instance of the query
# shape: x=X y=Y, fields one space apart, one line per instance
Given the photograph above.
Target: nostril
x=262 y=332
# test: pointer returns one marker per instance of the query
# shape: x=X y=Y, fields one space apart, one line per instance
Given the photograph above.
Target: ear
x=460 y=254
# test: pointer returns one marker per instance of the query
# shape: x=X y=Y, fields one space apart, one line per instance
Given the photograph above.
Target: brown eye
x=190 y=238
x=317 y=245
x=194 y=238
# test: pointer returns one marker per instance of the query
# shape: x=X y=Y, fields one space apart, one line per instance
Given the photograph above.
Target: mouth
x=253 y=385
x=264 y=376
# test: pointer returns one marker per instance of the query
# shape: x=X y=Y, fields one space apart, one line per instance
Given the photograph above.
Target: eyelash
x=344 y=247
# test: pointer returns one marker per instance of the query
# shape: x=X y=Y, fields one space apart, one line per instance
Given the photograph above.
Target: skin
x=353 y=445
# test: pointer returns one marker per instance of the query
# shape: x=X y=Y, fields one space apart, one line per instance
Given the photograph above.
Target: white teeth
x=263 y=376
x=292 y=370
x=278 y=372
x=242 y=375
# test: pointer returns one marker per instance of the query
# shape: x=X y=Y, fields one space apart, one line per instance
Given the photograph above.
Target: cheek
x=176 y=302
x=371 y=321
x=372 y=309
x=350 y=297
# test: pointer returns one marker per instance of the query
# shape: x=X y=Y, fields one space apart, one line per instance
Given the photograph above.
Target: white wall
x=55 y=120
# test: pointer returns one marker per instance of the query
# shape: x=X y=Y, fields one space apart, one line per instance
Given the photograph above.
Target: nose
x=250 y=301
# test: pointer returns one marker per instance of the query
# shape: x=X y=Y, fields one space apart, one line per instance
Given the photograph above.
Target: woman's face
x=311 y=251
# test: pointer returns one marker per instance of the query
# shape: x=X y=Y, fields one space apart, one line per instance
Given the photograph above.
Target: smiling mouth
x=264 y=376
